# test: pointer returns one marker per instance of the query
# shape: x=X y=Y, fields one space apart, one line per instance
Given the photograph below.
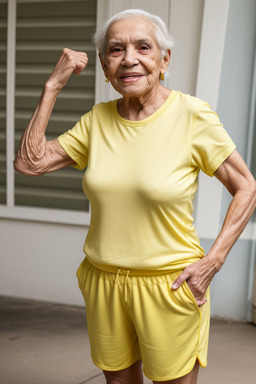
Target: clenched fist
x=69 y=62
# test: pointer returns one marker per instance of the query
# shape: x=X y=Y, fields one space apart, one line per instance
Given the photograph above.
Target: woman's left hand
x=198 y=277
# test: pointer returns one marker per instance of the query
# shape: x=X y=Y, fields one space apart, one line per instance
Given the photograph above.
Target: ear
x=103 y=65
x=166 y=61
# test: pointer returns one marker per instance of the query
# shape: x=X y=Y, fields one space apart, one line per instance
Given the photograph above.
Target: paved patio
x=44 y=343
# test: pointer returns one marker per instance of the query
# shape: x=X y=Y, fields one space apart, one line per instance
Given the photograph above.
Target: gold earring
x=107 y=79
x=162 y=76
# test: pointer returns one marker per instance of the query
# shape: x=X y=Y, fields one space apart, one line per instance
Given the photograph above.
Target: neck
x=139 y=108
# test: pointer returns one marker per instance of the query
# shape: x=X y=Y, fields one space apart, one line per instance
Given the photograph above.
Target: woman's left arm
x=239 y=181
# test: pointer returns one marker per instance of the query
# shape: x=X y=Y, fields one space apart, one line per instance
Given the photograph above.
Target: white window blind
x=3 y=53
x=43 y=29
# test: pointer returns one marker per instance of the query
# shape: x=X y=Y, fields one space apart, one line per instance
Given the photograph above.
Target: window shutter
x=43 y=30
x=3 y=54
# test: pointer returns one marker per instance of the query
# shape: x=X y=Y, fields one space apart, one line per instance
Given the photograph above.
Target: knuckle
x=68 y=53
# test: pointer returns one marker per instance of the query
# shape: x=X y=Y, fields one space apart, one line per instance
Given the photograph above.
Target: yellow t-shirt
x=141 y=179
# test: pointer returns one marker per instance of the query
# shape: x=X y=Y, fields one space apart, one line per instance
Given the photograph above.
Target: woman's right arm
x=36 y=155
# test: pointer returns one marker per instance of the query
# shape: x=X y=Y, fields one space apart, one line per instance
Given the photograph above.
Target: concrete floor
x=44 y=343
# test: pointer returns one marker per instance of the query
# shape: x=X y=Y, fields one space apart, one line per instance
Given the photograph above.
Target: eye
x=144 y=47
x=115 y=51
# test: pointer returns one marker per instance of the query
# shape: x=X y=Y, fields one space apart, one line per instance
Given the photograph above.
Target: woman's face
x=133 y=61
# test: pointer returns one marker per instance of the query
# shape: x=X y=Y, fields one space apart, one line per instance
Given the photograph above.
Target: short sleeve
x=76 y=141
x=211 y=144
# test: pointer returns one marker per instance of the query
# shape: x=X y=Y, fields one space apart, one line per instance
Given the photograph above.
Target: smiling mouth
x=131 y=76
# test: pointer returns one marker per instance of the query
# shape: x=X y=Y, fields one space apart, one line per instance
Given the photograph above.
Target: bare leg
x=190 y=378
x=130 y=375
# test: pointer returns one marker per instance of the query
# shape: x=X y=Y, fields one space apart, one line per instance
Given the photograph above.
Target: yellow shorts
x=133 y=315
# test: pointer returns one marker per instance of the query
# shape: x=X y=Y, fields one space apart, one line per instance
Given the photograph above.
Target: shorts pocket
x=190 y=294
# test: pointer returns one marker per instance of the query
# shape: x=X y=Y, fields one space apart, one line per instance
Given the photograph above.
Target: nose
x=130 y=57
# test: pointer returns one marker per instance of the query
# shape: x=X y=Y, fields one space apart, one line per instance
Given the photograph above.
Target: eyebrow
x=145 y=40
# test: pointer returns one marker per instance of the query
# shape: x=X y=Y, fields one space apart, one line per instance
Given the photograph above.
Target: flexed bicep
x=53 y=158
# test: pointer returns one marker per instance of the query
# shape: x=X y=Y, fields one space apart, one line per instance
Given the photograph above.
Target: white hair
x=163 y=38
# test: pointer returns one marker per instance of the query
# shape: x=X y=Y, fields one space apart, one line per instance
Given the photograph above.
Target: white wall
x=39 y=260
x=233 y=282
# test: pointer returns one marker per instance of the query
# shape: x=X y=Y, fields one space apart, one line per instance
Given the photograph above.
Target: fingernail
x=174 y=286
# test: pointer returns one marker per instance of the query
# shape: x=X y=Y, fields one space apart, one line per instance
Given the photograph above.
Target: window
x=42 y=29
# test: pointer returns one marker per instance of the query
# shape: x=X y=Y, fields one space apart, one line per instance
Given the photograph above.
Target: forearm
x=32 y=147
x=237 y=217
x=200 y=274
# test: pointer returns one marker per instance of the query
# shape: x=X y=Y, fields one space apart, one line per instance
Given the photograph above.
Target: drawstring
x=117 y=277
x=125 y=283
x=125 y=286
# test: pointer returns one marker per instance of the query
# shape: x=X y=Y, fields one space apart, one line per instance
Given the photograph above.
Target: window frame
x=10 y=210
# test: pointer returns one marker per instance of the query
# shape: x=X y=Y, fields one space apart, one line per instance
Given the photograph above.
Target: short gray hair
x=164 y=39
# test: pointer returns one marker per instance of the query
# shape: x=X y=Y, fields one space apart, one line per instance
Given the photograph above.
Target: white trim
x=56 y=216
x=252 y=273
x=252 y=116
x=105 y=9
x=208 y=206
x=10 y=101
x=101 y=90
x=251 y=277
x=212 y=49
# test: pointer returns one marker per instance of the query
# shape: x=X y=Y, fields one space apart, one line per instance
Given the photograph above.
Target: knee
x=112 y=379
x=130 y=375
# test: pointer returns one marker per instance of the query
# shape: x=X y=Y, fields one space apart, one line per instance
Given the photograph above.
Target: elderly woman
x=145 y=278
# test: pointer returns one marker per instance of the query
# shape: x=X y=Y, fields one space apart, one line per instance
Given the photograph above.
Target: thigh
x=172 y=329
x=130 y=375
x=113 y=339
x=190 y=378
